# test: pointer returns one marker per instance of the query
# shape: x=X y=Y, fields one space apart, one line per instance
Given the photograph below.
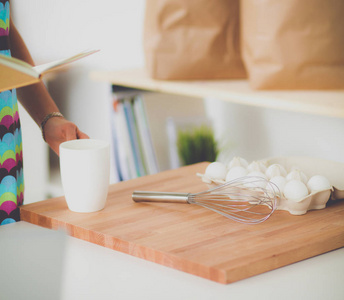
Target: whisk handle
x=142 y=196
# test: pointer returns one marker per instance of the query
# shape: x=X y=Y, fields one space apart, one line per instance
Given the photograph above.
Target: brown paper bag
x=192 y=39
x=293 y=44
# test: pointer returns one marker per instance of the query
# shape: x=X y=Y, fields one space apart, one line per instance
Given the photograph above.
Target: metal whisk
x=248 y=200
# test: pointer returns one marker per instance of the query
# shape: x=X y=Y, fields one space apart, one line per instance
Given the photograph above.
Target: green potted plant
x=196 y=145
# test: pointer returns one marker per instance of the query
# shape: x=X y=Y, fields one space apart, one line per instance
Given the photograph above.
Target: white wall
x=34 y=161
x=255 y=133
x=55 y=29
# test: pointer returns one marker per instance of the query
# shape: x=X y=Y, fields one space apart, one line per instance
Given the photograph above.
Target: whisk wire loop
x=248 y=200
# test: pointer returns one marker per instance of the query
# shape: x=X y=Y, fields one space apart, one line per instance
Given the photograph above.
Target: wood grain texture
x=191 y=238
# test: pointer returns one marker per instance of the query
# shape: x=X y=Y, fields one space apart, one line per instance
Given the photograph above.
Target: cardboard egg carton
x=333 y=171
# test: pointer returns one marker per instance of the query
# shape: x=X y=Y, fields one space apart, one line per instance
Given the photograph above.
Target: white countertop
x=38 y=263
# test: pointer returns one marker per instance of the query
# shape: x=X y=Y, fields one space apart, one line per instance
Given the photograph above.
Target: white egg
x=258 y=183
x=256 y=166
x=297 y=175
x=236 y=172
x=275 y=170
x=238 y=162
x=318 y=183
x=279 y=181
x=257 y=174
x=295 y=190
x=216 y=170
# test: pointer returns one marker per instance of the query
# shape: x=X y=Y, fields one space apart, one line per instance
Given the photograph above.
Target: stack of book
x=132 y=145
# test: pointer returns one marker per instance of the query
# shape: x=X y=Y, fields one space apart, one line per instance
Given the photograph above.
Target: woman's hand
x=58 y=130
x=37 y=101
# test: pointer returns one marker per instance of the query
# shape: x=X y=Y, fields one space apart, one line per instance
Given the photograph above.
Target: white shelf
x=318 y=102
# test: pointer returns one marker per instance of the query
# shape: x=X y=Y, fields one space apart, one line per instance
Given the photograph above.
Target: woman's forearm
x=35 y=98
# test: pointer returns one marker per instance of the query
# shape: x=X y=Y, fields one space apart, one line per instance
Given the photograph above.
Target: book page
x=8 y=62
x=48 y=67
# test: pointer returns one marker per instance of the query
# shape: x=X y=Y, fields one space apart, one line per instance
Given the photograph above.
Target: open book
x=16 y=73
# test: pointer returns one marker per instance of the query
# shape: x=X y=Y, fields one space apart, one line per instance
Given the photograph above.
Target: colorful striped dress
x=11 y=157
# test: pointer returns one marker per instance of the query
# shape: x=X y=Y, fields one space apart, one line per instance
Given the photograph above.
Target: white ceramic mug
x=85 y=173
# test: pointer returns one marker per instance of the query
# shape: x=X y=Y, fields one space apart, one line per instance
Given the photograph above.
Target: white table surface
x=38 y=263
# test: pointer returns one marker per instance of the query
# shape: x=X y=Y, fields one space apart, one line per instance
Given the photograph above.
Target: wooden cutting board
x=191 y=238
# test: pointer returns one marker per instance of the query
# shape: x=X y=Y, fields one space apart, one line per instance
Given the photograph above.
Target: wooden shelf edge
x=328 y=103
